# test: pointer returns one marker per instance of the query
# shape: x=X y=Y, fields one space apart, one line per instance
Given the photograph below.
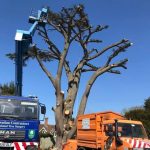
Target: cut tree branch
x=116 y=52
x=114 y=71
x=46 y=71
x=91 y=32
x=61 y=64
x=52 y=46
x=106 y=49
x=69 y=74
x=92 y=80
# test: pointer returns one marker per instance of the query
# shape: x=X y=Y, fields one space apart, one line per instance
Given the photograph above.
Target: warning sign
x=86 y=123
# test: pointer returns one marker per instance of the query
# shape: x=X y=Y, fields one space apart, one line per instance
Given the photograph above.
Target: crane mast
x=23 y=40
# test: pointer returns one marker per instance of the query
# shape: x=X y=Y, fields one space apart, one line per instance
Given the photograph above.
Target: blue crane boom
x=23 y=40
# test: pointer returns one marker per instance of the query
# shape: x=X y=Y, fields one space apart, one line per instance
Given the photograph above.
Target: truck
x=108 y=131
x=19 y=122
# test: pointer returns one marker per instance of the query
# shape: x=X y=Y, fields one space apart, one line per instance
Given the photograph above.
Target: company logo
x=31 y=134
x=7 y=133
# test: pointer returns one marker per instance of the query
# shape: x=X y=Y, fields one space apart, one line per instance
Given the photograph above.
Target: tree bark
x=59 y=119
x=59 y=145
x=73 y=86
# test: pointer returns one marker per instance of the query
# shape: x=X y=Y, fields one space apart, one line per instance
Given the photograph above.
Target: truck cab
x=131 y=135
x=19 y=122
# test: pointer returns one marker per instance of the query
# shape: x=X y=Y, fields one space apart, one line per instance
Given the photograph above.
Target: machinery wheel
x=81 y=148
x=84 y=148
x=31 y=147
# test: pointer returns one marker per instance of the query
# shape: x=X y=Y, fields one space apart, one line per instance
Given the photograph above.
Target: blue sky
x=126 y=19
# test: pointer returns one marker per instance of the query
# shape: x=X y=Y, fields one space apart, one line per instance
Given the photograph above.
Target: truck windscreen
x=132 y=130
x=14 y=109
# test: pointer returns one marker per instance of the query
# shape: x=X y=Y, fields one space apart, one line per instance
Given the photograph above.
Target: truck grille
x=11 y=135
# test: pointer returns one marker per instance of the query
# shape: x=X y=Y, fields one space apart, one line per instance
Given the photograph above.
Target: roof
x=47 y=128
x=123 y=121
x=18 y=98
x=130 y=121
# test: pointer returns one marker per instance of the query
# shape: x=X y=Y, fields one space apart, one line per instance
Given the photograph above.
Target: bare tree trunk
x=59 y=120
x=59 y=142
x=73 y=87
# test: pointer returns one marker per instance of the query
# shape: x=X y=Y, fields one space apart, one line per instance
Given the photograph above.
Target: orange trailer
x=108 y=131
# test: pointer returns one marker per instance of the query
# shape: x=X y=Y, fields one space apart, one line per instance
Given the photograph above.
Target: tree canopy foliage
x=7 y=88
x=141 y=114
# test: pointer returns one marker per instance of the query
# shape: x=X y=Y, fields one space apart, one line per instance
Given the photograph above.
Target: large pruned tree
x=74 y=27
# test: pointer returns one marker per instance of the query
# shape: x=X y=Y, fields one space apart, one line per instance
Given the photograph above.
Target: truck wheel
x=31 y=147
x=81 y=148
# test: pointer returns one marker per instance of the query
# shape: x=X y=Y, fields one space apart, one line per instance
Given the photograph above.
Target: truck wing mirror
x=43 y=110
x=109 y=129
